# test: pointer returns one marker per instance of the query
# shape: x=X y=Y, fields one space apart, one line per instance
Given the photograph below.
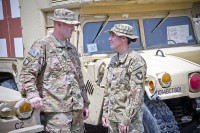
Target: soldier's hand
x=85 y=113
x=36 y=102
x=105 y=121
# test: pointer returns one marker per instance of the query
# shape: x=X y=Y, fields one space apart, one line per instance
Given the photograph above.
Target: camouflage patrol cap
x=124 y=30
x=65 y=16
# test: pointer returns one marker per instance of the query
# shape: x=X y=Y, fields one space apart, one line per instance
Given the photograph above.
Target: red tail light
x=194 y=82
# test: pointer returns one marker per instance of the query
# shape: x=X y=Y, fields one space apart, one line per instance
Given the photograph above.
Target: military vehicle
x=16 y=113
x=169 y=37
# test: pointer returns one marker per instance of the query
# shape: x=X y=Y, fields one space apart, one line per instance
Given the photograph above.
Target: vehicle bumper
x=194 y=95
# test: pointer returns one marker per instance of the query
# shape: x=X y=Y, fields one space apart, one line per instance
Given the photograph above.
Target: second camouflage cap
x=124 y=30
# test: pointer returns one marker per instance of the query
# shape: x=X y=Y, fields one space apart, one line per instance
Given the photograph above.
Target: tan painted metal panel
x=193 y=56
x=133 y=8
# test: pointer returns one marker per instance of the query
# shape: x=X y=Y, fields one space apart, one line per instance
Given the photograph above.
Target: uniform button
x=114 y=77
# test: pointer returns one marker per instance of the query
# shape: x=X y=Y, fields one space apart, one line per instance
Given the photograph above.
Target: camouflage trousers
x=69 y=122
x=114 y=128
x=136 y=125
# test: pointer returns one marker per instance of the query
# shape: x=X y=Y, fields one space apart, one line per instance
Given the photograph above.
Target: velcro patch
x=139 y=75
x=26 y=61
x=33 y=53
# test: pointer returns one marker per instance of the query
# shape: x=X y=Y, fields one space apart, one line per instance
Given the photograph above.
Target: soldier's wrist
x=31 y=95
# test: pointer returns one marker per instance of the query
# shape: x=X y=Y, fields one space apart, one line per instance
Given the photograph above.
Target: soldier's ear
x=123 y=37
x=58 y=24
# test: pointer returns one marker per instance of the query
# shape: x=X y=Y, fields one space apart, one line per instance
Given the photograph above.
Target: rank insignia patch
x=33 y=53
x=26 y=61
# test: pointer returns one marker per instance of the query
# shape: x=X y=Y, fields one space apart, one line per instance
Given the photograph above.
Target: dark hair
x=129 y=41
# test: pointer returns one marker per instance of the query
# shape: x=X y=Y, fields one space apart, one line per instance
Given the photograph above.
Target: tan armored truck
x=169 y=37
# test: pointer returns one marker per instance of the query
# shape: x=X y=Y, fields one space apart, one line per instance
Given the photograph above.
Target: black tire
x=158 y=118
x=10 y=83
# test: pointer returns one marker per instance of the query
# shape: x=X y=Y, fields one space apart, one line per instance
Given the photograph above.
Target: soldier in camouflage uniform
x=51 y=77
x=123 y=99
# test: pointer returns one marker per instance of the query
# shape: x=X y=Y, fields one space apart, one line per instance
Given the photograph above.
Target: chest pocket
x=117 y=76
x=68 y=65
x=60 y=61
x=124 y=77
x=54 y=62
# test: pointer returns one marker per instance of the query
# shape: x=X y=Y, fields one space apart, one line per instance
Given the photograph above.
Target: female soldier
x=124 y=93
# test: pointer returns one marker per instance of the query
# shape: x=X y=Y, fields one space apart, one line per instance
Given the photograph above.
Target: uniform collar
x=58 y=44
x=69 y=45
x=125 y=56
x=115 y=60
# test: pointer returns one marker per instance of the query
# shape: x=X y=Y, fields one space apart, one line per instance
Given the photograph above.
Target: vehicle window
x=101 y=44
x=172 y=32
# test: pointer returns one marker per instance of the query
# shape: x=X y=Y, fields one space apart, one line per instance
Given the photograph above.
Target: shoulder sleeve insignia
x=139 y=75
x=26 y=61
x=33 y=53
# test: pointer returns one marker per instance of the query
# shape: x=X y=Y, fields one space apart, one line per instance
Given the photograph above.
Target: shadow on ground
x=95 y=129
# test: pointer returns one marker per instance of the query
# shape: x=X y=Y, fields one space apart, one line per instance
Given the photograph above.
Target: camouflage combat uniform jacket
x=124 y=91
x=62 y=83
